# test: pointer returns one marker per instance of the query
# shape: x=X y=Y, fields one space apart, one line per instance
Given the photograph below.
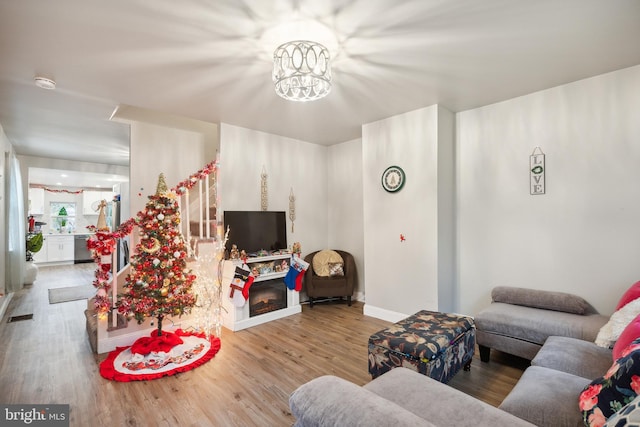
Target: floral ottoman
x=429 y=342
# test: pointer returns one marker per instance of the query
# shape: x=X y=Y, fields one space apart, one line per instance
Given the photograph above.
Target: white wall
x=289 y=163
x=344 y=204
x=4 y=148
x=446 y=212
x=402 y=277
x=583 y=235
x=155 y=149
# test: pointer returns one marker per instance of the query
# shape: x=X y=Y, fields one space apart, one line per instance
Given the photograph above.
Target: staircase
x=197 y=198
x=199 y=229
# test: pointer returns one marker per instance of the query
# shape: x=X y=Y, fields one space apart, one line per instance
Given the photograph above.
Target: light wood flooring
x=48 y=360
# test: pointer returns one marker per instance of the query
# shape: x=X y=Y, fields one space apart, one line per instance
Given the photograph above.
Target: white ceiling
x=211 y=60
x=66 y=178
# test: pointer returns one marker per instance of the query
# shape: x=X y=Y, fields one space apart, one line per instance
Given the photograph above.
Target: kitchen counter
x=64 y=248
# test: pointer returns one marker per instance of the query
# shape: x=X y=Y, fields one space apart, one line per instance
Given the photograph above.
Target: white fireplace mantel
x=238 y=318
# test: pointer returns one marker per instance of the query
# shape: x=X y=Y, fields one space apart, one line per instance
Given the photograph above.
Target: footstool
x=429 y=342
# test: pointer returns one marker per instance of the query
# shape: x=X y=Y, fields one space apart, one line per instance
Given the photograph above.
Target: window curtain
x=16 y=250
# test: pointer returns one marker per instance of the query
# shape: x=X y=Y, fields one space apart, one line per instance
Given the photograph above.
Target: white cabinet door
x=59 y=248
x=107 y=195
x=36 y=201
x=91 y=197
x=88 y=199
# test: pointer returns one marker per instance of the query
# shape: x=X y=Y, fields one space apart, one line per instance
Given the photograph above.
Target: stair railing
x=103 y=247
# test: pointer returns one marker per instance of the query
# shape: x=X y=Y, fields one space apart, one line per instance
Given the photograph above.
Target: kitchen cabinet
x=91 y=197
x=36 y=201
x=59 y=248
x=43 y=254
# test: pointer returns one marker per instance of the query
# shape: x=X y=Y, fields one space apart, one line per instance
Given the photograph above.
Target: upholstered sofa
x=400 y=397
x=571 y=381
x=558 y=332
x=518 y=321
x=547 y=394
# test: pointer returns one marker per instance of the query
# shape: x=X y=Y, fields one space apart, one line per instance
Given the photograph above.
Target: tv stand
x=269 y=269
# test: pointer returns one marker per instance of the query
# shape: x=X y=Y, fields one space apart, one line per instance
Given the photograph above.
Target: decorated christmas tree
x=160 y=282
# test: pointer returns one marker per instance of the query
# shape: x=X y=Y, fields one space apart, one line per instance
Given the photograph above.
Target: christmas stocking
x=294 y=276
x=242 y=281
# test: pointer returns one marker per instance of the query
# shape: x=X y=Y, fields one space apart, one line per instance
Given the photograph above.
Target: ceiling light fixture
x=45 y=83
x=301 y=71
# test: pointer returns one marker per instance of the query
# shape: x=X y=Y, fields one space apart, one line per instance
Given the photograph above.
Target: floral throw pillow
x=619 y=386
x=336 y=269
x=628 y=416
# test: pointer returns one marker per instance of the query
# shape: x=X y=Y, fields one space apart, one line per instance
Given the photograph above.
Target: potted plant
x=34 y=243
x=62 y=220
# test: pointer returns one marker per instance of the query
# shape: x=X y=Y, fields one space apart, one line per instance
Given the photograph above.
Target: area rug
x=71 y=293
x=155 y=357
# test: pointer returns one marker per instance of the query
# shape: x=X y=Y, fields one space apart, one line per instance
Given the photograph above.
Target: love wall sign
x=537 y=170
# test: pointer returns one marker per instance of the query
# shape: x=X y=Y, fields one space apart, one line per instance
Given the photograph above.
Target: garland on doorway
x=56 y=190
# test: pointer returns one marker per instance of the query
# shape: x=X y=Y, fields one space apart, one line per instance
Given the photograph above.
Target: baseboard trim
x=384 y=314
x=4 y=303
x=263 y=318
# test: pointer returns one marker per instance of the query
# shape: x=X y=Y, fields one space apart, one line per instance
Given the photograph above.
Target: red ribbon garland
x=53 y=190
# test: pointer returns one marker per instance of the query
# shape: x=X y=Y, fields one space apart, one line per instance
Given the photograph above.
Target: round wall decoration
x=393 y=179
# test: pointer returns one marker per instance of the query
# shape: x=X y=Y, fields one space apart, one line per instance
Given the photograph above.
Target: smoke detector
x=45 y=83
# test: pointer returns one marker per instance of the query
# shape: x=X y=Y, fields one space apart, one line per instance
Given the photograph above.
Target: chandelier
x=301 y=71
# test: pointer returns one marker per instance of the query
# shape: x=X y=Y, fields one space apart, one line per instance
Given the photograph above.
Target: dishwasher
x=80 y=251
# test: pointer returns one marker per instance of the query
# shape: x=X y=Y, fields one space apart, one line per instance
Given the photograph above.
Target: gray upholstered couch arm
x=332 y=401
x=548 y=300
x=398 y=398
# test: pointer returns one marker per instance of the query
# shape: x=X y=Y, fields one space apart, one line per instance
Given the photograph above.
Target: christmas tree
x=160 y=283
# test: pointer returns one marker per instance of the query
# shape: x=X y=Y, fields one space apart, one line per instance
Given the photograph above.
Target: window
x=63 y=216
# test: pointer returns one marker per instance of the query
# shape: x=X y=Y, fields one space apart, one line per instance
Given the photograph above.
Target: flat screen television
x=253 y=231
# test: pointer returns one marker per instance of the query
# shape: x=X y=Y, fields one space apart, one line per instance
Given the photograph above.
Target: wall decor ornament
x=264 y=200
x=537 y=171
x=393 y=179
x=292 y=208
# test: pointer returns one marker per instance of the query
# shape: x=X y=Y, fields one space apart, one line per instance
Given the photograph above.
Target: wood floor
x=48 y=360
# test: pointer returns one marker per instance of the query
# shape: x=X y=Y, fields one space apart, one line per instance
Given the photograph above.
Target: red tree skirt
x=154 y=343
x=161 y=360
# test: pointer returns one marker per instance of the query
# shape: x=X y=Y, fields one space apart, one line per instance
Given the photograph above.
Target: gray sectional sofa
x=518 y=321
x=554 y=330
x=546 y=395
x=400 y=397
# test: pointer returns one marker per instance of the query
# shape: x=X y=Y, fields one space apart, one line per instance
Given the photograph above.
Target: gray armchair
x=334 y=286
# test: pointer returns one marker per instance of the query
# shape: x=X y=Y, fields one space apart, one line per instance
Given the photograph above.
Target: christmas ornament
x=155 y=246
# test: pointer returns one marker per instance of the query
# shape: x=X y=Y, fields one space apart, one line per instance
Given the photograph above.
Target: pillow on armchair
x=322 y=262
x=336 y=269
